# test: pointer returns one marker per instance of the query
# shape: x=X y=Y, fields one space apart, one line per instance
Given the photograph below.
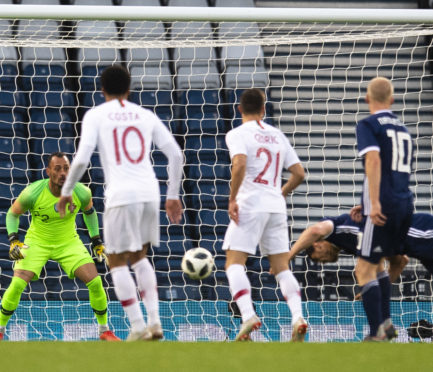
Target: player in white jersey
x=257 y=209
x=124 y=133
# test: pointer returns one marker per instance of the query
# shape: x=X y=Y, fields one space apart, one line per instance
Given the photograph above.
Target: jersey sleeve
x=366 y=138
x=332 y=220
x=83 y=193
x=161 y=136
x=345 y=233
x=236 y=143
x=29 y=195
x=88 y=141
x=291 y=157
x=89 y=129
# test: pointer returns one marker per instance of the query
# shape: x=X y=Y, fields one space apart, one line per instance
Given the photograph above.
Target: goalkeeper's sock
x=147 y=286
x=11 y=299
x=240 y=287
x=371 y=300
x=126 y=293
x=98 y=299
x=289 y=287
x=385 y=289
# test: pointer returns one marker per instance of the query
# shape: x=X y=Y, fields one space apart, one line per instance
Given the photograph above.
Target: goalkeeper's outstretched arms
x=91 y=220
x=12 y=225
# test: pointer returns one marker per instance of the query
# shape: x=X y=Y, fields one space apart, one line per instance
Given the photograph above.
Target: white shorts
x=268 y=230
x=128 y=227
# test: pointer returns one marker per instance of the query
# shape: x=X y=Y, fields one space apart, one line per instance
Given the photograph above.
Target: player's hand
x=376 y=215
x=98 y=249
x=356 y=213
x=15 y=248
x=234 y=211
x=61 y=205
x=174 y=210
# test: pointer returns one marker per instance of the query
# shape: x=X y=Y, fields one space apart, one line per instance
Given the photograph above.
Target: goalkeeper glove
x=15 y=247
x=98 y=249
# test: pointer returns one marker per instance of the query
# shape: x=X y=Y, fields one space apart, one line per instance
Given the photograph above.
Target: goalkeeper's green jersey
x=46 y=227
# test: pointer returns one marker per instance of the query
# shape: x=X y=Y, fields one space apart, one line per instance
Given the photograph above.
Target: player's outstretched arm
x=12 y=225
x=297 y=175
x=373 y=173
x=239 y=167
x=173 y=205
x=311 y=235
x=90 y=218
x=78 y=167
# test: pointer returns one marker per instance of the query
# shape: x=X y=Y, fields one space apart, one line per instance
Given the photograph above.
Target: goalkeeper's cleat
x=156 y=331
x=299 y=330
x=109 y=336
x=144 y=335
x=247 y=327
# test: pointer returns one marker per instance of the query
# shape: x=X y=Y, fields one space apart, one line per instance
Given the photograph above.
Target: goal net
x=191 y=74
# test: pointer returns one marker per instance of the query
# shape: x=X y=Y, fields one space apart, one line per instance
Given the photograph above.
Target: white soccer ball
x=197 y=263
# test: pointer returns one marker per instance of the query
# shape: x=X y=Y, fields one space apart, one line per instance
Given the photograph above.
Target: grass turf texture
x=206 y=356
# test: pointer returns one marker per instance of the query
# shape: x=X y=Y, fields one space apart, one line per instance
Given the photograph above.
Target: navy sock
x=371 y=299
x=385 y=288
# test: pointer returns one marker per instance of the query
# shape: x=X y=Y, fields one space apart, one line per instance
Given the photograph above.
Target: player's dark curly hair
x=56 y=154
x=252 y=101
x=115 y=80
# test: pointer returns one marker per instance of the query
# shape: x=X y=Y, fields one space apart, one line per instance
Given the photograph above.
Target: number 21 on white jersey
x=269 y=173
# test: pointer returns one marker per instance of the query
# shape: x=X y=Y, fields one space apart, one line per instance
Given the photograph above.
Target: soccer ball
x=197 y=263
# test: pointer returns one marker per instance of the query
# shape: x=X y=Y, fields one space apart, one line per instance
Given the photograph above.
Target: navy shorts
x=386 y=241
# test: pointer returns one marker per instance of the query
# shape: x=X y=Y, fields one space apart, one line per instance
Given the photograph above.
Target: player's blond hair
x=380 y=90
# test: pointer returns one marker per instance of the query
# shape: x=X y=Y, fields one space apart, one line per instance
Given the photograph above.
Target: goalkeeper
x=55 y=238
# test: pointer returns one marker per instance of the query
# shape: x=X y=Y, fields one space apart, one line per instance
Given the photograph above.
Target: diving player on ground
x=325 y=240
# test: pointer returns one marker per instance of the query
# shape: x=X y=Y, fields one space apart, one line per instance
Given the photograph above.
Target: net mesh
x=191 y=74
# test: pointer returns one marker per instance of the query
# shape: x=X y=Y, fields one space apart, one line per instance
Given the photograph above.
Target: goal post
x=190 y=65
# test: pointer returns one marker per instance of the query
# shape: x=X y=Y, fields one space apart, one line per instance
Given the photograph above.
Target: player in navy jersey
x=385 y=145
x=324 y=241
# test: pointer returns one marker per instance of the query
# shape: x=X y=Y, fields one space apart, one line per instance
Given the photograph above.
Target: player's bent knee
x=24 y=275
x=86 y=272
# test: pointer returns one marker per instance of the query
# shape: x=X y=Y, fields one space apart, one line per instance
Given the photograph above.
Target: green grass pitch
x=207 y=356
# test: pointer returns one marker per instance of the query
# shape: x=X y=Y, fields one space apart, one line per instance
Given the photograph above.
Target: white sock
x=103 y=328
x=146 y=282
x=240 y=288
x=126 y=293
x=290 y=289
